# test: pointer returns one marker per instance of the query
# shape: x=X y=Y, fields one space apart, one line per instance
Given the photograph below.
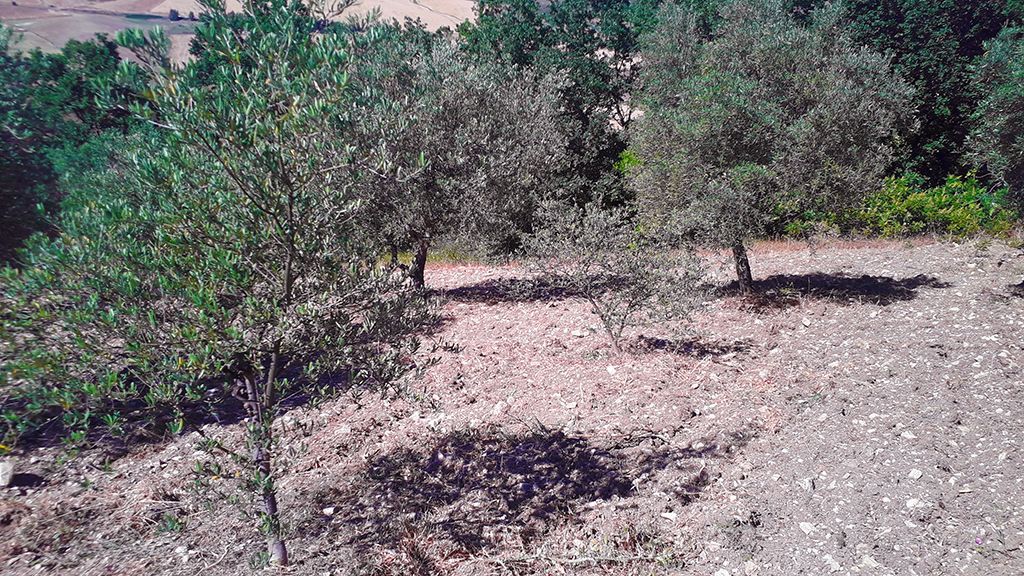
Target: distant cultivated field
x=49 y=24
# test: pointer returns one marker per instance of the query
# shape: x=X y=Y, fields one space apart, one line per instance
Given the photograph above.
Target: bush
x=905 y=206
x=602 y=256
x=959 y=207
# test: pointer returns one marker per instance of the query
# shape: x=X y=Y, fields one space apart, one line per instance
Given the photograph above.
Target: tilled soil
x=861 y=415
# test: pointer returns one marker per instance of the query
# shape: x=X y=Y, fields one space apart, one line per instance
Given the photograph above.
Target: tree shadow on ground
x=219 y=403
x=515 y=290
x=694 y=346
x=472 y=488
x=786 y=290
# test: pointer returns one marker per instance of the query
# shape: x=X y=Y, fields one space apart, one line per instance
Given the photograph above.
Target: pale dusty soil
x=861 y=418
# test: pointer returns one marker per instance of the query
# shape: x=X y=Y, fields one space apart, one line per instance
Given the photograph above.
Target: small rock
x=807 y=527
x=579 y=333
x=611 y=370
x=806 y=322
x=6 y=473
x=669 y=516
x=329 y=511
x=749 y=568
x=833 y=566
x=908 y=435
x=869 y=562
x=722 y=572
x=915 y=474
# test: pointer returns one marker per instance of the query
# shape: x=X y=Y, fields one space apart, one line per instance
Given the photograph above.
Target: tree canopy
x=457 y=147
x=762 y=114
x=998 y=139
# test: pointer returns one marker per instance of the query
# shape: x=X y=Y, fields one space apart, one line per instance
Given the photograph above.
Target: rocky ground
x=861 y=416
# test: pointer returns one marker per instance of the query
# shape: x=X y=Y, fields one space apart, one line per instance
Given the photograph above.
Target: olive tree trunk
x=260 y=404
x=743 y=274
x=419 y=263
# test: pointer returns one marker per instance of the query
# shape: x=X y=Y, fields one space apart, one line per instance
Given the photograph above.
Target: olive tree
x=759 y=117
x=453 y=146
x=224 y=250
x=601 y=255
x=998 y=138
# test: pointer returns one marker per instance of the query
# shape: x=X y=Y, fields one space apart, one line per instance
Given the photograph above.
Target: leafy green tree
x=223 y=251
x=762 y=114
x=934 y=45
x=454 y=147
x=594 y=45
x=48 y=107
x=998 y=138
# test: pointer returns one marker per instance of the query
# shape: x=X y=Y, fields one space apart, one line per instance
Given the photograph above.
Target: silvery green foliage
x=762 y=116
x=458 y=147
x=998 y=137
x=628 y=277
x=223 y=249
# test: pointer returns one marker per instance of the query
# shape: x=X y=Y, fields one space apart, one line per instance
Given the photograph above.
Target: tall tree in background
x=762 y=114
x=453 y=146
x=934 y=45
x=998 y=138
x=594 y=45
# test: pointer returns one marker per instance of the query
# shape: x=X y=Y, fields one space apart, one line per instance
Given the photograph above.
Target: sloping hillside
x=860 y=417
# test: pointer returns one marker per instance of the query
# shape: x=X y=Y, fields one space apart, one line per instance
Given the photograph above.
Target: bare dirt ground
x=863 y=416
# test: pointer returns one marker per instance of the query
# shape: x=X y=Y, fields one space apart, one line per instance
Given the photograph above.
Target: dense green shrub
x=906 y=206
x=47 y=112
x=961 y=206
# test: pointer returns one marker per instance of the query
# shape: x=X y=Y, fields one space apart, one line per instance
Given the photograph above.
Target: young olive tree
x=998 y=138
x=761 y=116
x=225 y=249
x=601 y=255
x=454 y=146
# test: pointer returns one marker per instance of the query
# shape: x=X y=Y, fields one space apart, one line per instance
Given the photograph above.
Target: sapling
x=628 y=276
